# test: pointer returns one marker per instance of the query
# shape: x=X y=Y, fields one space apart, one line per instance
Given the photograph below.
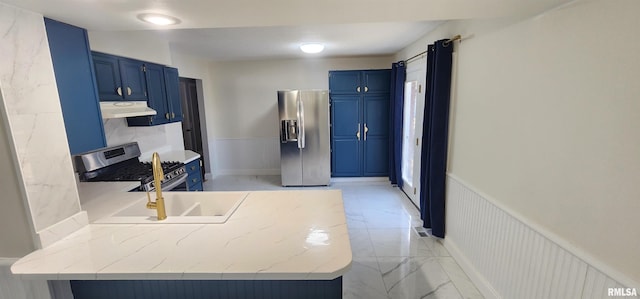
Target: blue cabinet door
x=163 y=93
x=73 y=68
x=157 y=98
x=134 y=86
x=119 y=78
x=376 y=135
x=172 y=85
x=107 y=74
x=194 y=178
x=345 y=125
x=376 y=81
x=345 y=82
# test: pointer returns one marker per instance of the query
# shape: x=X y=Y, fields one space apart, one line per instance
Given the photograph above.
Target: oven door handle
x=175 y=182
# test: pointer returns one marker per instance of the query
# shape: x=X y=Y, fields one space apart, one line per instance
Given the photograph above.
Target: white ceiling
x=260 y=29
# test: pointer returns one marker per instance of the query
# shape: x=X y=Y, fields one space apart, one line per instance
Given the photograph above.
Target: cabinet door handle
x=173 y=115
x=193 y=167
x=365 y=131
x=358 y=133
x=366 y=89
x=128 y=90
x=358 y=89
x=119 y=91
x=166 y=115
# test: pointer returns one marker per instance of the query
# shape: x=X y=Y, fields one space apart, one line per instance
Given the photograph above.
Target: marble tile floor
x=390 y=260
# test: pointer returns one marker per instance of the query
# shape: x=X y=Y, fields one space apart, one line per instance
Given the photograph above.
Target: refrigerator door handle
x=301 y=141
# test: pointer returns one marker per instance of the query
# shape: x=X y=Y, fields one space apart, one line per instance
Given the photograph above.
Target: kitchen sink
x=182 y=208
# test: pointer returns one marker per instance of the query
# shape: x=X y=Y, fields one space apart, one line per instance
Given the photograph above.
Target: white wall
x=545 y=122
x=133 y=44
x=243 y=112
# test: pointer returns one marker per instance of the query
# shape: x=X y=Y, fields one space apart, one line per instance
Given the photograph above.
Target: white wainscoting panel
x=11 y=287
x=247 y=156
x=597 y=285
x=508 y=258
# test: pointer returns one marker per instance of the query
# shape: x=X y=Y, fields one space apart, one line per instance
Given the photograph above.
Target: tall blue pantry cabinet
x=359 y=122
x=73 y=68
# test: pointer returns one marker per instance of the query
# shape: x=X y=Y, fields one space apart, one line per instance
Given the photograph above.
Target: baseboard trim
x=247 y=172
x=7 y=261
x=478 y=279
x=358 y=179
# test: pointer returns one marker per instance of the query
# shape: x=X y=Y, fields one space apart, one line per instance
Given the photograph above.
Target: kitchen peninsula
x=277 y=243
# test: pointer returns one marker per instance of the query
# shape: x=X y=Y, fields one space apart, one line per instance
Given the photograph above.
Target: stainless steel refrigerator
x=305 y=154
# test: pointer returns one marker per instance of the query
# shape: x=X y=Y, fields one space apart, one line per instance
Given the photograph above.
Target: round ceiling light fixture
x=158 y=19
x=312 y=48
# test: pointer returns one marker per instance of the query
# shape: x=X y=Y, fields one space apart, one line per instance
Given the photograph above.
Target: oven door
x=178 y=183
x=181 y=187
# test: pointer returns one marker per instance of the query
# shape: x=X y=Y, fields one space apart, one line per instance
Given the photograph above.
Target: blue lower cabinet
x=194 y=178
x=205 y=289
x=196 y=188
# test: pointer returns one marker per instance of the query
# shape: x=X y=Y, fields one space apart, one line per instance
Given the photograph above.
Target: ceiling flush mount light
x=158 y=19
x=312 y=48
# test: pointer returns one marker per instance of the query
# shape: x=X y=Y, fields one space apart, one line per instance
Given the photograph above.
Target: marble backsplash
x=162 y=138
x=35 y=118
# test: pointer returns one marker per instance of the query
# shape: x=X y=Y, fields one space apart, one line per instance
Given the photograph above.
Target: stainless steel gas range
x=121 y=163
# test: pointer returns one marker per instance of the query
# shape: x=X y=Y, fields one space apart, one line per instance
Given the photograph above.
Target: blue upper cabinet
x=376 y=81
x=107 y=70
x=359 y=82
x=172 y=83
x=345 y=82
x=134 y=86
x=73 y=68
x=154 y=78
x=163 y=91
x=119 y=78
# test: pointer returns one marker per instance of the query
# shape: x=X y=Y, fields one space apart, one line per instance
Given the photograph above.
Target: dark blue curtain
x=434 y=137
x=398 y=75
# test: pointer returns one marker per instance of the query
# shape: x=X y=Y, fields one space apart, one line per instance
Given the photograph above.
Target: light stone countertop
x=274 y=235
x=185 y=156
x=101 y=199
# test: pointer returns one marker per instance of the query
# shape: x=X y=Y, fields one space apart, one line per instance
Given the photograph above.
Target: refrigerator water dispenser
x=289 y=130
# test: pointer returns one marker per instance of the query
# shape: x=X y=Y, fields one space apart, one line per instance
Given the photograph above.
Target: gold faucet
x=158 y=175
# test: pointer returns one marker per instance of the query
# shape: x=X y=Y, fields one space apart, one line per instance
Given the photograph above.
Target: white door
x=414 y=96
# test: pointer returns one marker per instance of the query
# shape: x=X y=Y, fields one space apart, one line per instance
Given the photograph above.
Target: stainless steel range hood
x=120 y=109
